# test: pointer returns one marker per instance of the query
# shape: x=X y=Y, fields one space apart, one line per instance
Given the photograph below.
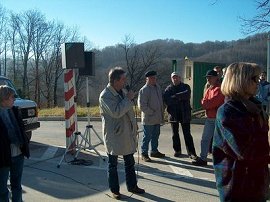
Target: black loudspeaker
x=72 y=55
x=89 y=69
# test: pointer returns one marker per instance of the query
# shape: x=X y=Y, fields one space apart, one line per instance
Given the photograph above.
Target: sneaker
x=177 y=154
x=146 y=158
x=137 y=190
x=157 y=155
x=199 y=162
x=116 y=195
x=193 y=156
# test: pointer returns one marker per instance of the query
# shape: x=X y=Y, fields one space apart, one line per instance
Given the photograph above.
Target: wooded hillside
x=30 y=56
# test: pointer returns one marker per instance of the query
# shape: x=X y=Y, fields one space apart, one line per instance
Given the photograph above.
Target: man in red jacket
x=212 y=100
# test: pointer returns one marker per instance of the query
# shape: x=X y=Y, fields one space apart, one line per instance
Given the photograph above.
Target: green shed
x=193 y=74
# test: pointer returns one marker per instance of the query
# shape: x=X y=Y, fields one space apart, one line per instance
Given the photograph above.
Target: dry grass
x=81 y=112
x=60 y=111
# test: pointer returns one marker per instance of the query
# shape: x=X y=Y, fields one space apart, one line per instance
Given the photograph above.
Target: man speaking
x=119 y=129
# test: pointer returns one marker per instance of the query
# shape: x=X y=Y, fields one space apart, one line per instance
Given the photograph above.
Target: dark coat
x=5 y=154
x=177 y=99
x=241 y=152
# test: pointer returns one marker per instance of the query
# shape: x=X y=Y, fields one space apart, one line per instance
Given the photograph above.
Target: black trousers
x=187 y=137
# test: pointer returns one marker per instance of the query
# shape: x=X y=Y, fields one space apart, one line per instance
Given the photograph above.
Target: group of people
x=236 y=120
x=120 y=127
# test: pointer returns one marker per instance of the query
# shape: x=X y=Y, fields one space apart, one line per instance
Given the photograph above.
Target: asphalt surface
x=46 y=178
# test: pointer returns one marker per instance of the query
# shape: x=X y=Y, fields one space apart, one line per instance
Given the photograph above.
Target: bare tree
x=41 y=39
x=11 y=35
x=261 y=21
x=139 y=59
x=52 y=61
x=3 y=40
x=26 y=24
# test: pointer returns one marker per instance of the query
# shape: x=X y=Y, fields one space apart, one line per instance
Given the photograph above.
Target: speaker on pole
x=89 y=69
x=72 y=55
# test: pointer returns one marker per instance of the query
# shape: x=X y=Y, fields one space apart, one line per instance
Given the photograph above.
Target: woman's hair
x=115 y=74
x=5 y=92
x=238 y=78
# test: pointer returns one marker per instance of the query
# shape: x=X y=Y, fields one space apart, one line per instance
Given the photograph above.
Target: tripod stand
x=85 y=142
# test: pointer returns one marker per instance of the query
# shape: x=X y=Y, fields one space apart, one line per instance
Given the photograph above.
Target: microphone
x=129 y=89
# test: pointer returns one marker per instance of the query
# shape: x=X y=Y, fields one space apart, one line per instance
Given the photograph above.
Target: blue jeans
x=150 y=133
x=15 y=171
x=113 y=180
x=208 y=132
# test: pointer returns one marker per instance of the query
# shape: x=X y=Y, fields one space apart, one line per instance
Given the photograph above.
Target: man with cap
x=177 y=98
x=212 y=100
x=150 y=103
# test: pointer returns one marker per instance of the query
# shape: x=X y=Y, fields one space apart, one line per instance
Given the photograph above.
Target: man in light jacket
x=151 y=104
x=119 y=129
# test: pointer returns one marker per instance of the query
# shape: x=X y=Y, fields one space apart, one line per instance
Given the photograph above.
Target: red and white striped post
x=70 y=109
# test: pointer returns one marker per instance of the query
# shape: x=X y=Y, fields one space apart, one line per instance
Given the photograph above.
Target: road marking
x=49 y=153
x=181 y=171
x=178 y=170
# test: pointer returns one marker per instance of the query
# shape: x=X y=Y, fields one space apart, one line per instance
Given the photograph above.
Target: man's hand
x=130 y=95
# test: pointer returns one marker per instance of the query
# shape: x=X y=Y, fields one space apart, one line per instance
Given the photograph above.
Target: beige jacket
x=119 y=125
x=150 y=102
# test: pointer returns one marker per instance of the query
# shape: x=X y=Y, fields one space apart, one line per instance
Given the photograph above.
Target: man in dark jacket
x=177 y=98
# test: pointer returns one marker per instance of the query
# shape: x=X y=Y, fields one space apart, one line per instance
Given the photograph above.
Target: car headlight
x=31 y=112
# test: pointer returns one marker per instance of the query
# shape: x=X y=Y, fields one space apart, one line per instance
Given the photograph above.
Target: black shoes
x=199 y=162
x=157 y=155
x=177 y=154
x=193 y=156
x=146 y=158
x=116 y=195
x=137 y=190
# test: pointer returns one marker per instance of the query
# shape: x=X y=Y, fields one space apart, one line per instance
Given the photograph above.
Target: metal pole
x=87 y=101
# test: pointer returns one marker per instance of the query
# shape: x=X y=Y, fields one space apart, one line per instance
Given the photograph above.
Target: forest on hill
x=157 y=55
x=30 y=55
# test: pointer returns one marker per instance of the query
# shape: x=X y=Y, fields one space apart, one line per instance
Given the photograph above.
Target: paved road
x=168 y=179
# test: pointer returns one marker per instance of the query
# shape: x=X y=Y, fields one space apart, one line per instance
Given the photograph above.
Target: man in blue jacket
x=263 y=93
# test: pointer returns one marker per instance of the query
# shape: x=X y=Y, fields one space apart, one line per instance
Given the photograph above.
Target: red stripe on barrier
x=72 y=147
x=69 y=94
x=70 y=130
x=68 y=76
x=70 y=112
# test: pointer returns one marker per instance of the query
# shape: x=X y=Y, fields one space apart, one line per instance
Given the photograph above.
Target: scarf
x=11 y=124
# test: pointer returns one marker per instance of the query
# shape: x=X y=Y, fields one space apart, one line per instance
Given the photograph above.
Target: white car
x=28 y=109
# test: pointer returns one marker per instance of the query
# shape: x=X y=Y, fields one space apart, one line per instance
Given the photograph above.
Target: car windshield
x=9 y=83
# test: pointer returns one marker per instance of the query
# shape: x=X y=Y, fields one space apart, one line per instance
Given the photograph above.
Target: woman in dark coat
x=14 y=145
x=240 y=143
